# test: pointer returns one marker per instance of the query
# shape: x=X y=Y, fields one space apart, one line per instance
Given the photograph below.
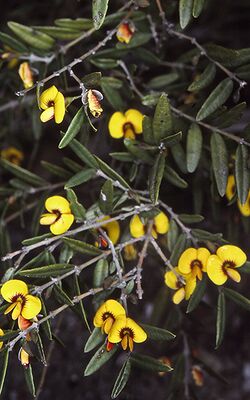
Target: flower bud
x=125 y=32
x=94 y=97
x=26 y=75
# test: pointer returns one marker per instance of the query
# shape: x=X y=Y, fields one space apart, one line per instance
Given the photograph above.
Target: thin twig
x=142 y=255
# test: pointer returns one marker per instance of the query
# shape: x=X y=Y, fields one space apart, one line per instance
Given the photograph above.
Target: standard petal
x=136 y=227
x=232 y=253
x=48 y=96
x=116 y=123
x=215 y=271
x=62 y=224
x=57 y=203
x=139 y=335
x=186 y=259
x=12 y=288
x=112 y=307
x=171 y=279
x=119 y=324
x=48 y=219
x=32 y=307
x=135 y=117
x=202 y=255
x=161 y=223
x=59 y=107
x=47 y=114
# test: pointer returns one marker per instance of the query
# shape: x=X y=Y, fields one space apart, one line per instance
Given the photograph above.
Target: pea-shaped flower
x=13 y=155
x=106 y=315
x=126 y=331
x=112 y=228
x=125 y=32
x=160 y=225
x=223 y=264
x=194 y=261
x=183 y=288
x=53 y=103
x=26 y=75
x=22 y=303
x=59 y=216
x=125 y=125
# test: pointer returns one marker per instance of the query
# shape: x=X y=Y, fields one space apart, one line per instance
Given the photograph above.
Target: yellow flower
x=221 y=266
x=24 y=357
x=107 y=314
x=53 y=103
x=24 y=324
x=112 y=228
x=12 y=155
x=94 y=97
x=125 y=32
x=194 y=261
x=245 y=208
x=26 y=75
x=230 y=189
x=125 y=125
x=130 y=252
x=183 y=290
x=22 y=303
x=138 y=229
x=59 y=217
x=1 y=334
x=126 y=331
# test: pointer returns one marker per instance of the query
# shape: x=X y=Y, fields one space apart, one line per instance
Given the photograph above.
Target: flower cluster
x=193 y=263
x=160 y=226
x=111 y=318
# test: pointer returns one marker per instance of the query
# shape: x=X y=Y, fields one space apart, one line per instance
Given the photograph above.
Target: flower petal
x=113 y=230
x=202 y=255
x=139 y=333
x=119 y=324
x=135 y=117
x=230 y=189
x=179 y=295
x=116 y=123
x=215 y=271
x=136 y=227
x=47 y=114
x=62 y=224
x=232 y=253
x=16 y=310
x=185 y=260
x=32 y=307
x=171 y=279
x=161 y=223
x=233 y=274
x=245 y=208
x=12 y=288
x=112 y=307
x=1 y=334
x=48 y=219
x=59 y=107
x=58 y=203
x=190 y=288
x=47 y=96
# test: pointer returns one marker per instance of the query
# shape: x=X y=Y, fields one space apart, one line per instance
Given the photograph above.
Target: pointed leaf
x=81 y=247
x=83 y=153
x=23 y=174
x=121 y=380
x=95 y=338
x=156 y=176
x=204 y=79
x=162 y=122
x=237 y=298
x=77 y=208
x=194 y=147
x=32 y=37
x=149 y=363
x=111 y=173
x=52 y=270
x=219 y=162
x=198 y=7
x=106 y=197
x=197 y=295
x=242 y=173
x=30 y=380
x=155 y=333
x=4 y=361
x=99 y=359
x=99 y=11
x=185 y=11
x=221 y=319
x=73 y=128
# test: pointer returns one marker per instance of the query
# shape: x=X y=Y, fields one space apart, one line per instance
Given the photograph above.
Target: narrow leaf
x=99 y=11
x=99 y=359
x=198 y=7
x=242 y=174
x=94 y=340
x=77 y=208
x=4 y=365
x=81 y=247
x=73 y=128
x=185 y=12
x=23 y=174
x=197 y=295
x=237 y=298
x=162 y=122
x=33 y=37
x=155 y=333
x=219 y=162
x=83 y=153
x=149 y=363
x=204 y=79
x=121 y=380
x=221 y=319
x=194 y=147
x=52 y=270
x=106 y=197
x=155 y=177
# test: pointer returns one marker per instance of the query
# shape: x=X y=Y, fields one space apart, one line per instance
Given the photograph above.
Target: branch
x=143 y=254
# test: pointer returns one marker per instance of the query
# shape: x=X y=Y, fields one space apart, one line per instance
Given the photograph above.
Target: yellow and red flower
x=160 y=225
x=125 y=32
x=224 y=264
x=24 y=357
x=127 y=332
x=59 y=216
x=22 y=303
x=125 y=125
x=26 y=75
x=194 y=261
x=184 y=287
x=94 y=97
x=53 y=103
x=106 y=315
x=12 y=154
x=112 y=228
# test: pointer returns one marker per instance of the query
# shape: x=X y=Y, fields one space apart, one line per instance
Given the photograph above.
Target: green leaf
x=155 y=333
x=204 y=79
x=246 y=268
x=122 y=156
x=219 y=162
x=139 y=39
x=105 y=63
x=155 y=177
x=12 y=43
x=205 y=235
x=80 y=304
x=58 y=32
x=92 y=79
x=47 y=271
x=77 y=24
x=99 y=11
x=185 y=12
x=194 y=147
x=221 y=319
x=198 y=7
x=77 y=208
x=179 y=247
x=179 y=157
x=190 y=218
x=23 y=174
x=111 y=173
x=62 y=296
x=113 y=96
x=136 y=148
x=149 y=363
x=237 y=298
x=230 y=116
x=101 y=272
x=36 y=239
x=83 y=153
x=121 y=380
x=30 y=380
x=162 y=122
x=99 y=359
x=242 y=174
x=159 y=82
x=172 y=139
x=106 y=197
x=4 y=365
x=32 y=37
x=171 y=175
x=172 y=235
x=147 y=130
x=56 y=170
x=216 y=99
x=94 y=340
x=8 y=334
x=81 y=247
x=197 y=295
x=46 y=326
x=81 y=177
x=73 y=128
